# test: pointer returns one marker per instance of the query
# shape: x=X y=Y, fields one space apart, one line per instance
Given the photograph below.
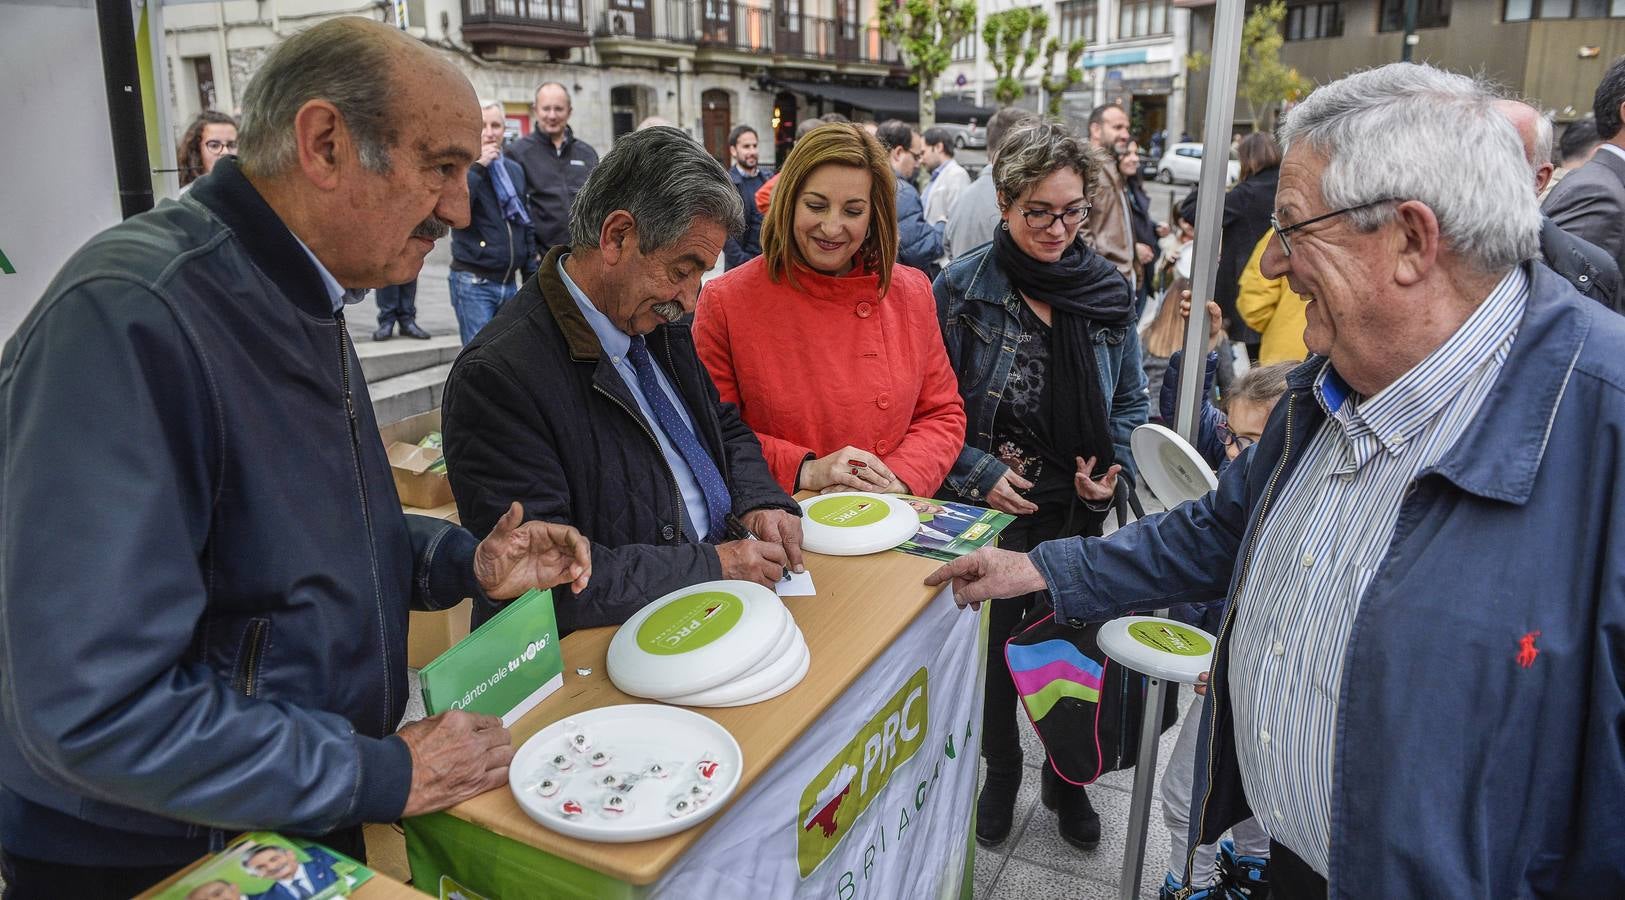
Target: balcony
x=789 y=36
x=552 y=25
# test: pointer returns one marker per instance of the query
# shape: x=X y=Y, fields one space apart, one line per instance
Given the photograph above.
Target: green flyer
x=950 y=530
x=504 y=668
x=263 y=864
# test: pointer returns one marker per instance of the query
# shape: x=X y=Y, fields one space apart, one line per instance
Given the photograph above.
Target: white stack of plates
x=854 y=523
x=721 y=643
x=1161 y=648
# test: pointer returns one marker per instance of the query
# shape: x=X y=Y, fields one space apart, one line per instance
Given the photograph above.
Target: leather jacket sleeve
x=111 y=467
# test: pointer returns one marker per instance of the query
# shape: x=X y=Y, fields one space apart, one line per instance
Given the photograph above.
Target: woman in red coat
x=829 y=348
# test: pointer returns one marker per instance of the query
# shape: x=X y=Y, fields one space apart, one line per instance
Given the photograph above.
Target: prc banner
x=875 y=800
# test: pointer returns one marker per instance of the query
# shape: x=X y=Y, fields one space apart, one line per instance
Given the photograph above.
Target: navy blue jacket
x=740 y=250
x=1459 y=771
x=491 y=246
x=978 y=312
x=918 y=243
x=204 y=570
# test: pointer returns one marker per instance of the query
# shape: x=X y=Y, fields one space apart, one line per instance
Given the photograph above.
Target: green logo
x=689 y=623
x=848 y=512
x=838 y=795
x=1171 y=637
x=5 y=265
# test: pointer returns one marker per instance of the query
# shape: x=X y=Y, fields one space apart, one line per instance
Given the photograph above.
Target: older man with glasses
x=1417 y=685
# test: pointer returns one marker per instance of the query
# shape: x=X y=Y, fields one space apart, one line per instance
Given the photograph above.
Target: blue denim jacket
x=1479 y=747
x=977 y=309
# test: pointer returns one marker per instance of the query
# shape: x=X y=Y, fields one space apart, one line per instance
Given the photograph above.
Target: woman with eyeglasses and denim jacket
x=1040 y=332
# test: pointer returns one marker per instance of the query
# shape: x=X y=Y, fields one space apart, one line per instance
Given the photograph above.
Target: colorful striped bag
x=1086 y=708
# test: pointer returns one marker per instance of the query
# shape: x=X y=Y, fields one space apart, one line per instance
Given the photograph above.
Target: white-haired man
x=1417 y=684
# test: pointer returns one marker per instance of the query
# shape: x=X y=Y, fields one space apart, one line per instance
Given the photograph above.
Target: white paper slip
x=796 y=585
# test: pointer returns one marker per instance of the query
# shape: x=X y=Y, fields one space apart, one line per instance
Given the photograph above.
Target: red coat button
x=865 y=310
x=883 y=401
x=882 y=448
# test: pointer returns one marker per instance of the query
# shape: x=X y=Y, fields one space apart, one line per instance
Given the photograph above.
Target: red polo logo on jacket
x=1526 y=649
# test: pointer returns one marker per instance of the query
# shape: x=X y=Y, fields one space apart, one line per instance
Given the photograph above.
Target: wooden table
x=862 y=605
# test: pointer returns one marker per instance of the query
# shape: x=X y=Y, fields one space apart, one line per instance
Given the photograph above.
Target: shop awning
x=889 y=103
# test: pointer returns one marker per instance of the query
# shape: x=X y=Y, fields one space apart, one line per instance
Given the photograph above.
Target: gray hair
x=1543 y=139
x=340 y=61
x=493 y=104
x=1032 y=150
x=665 y=180
x=1381 y=131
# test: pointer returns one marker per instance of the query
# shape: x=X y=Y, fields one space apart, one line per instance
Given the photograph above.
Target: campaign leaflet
x=262 y=865
x=949 y=530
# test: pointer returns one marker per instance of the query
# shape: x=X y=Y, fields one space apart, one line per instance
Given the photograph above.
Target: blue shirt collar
x=335 y=291
x=614 y=341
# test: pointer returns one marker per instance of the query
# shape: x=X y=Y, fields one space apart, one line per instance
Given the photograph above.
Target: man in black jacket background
x=556 y=165
x=584 y=398
x=207 y=571
x=1583 y=264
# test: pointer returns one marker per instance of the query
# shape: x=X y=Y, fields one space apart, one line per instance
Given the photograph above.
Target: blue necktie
x=717 y=501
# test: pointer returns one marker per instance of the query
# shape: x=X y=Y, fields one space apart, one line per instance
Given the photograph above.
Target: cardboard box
x=409 y=463
x=428 y=634
x=414 y=482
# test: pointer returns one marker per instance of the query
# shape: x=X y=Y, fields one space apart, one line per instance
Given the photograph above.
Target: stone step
x=393 y=399
x=398 y=356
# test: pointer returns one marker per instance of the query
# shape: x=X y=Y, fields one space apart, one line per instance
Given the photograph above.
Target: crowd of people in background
x=886 y=322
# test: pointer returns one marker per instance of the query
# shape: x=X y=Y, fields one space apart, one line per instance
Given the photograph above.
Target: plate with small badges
x=627 y=773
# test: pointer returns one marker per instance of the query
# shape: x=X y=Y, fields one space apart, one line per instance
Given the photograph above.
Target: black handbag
x=1086 y=708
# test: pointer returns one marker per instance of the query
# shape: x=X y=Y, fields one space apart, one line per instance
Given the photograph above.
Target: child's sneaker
x=1244 y=877
x=1172 y=890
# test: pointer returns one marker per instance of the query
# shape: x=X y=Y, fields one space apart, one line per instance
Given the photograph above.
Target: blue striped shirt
x=1320 y=548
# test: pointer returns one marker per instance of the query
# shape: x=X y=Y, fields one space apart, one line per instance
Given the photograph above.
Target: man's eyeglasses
x=220 y=146
x=1231 y=439
x=1281 y=233
x=1042 y=219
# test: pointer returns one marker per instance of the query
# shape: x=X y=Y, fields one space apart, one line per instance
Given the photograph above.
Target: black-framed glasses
x=1281 y=233
x=1231 y=439
x=220 y=146
x=1042 y=219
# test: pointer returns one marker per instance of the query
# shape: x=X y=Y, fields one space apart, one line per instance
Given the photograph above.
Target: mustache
x=431 y=229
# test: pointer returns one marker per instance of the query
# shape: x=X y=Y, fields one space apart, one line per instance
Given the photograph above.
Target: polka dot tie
x=717 y=500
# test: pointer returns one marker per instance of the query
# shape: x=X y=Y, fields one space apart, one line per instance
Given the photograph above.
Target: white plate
x=696 y=638
x=1172 y=468
x=634 y=734
x=853 y=523
x=792 y=681
x=784 y=666
x=1158 y=647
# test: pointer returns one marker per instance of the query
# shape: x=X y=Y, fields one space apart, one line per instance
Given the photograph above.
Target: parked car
x=972 y=135
x=1183 y=164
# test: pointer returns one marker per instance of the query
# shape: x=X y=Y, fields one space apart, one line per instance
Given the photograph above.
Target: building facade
x=703 y=65
x=1551 y=52
x=1134 y=56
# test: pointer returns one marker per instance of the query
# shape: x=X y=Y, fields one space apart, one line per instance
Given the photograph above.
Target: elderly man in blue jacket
x=206 y=570
x=1417 y=687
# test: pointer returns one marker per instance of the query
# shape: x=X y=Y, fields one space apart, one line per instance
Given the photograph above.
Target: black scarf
x=1080 y=287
